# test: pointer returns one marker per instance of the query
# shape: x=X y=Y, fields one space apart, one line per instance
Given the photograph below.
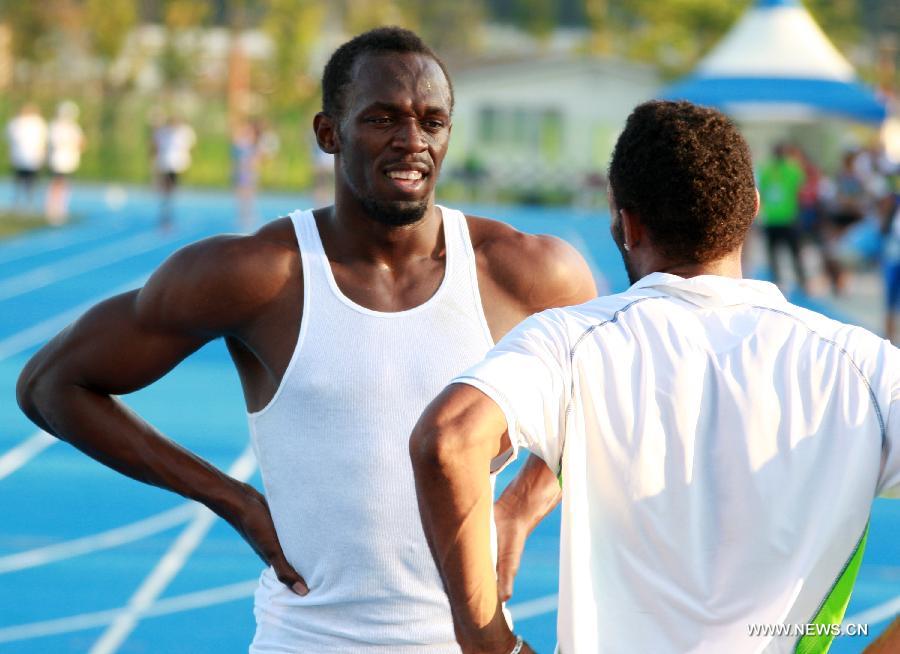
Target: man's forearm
x=528 y=498
x=455 y=500
x=105 y=429
x=888 y=642
x=532 y=494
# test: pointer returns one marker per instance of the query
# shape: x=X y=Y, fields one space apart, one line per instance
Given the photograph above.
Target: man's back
x=721 y=452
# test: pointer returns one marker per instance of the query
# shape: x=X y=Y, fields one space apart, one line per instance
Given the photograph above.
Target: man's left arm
x=451 y=447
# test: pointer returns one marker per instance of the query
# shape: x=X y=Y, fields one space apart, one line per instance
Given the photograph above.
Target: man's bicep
x=473 y=419
x=112 y=351
x=565 y=277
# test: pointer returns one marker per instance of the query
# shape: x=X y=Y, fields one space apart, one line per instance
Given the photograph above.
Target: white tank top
x=332 y=446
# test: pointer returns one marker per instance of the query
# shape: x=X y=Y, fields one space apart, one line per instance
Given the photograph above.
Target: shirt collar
x=712 y=290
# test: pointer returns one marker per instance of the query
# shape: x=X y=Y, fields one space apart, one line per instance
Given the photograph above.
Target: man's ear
x=327 y=136
x=758 y=204
x=632 y=229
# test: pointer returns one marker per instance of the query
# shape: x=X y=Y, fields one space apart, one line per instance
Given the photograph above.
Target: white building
x=548 y=120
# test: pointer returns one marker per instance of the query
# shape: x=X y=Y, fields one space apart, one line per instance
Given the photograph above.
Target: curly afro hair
x=686 y=172
x=338 y=72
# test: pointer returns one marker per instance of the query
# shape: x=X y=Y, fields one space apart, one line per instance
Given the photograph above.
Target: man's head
x=386 y=107
x=684 y=173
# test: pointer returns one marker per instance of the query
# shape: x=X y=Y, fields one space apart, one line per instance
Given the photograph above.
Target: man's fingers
x=509 y=557
x=506 y=576
x=289 y=577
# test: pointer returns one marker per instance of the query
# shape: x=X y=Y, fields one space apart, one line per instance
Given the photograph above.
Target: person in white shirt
x=172 y=144
x=27 y=137
x=66 y=142
x=719 y=448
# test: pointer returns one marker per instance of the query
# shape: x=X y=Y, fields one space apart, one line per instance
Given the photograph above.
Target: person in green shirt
x=780 y=181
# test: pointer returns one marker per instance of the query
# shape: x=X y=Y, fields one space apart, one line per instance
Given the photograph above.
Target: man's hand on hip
x=253 y=521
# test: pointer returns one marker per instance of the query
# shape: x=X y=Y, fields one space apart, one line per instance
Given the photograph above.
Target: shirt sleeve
x=889 y=479
x=527 y=374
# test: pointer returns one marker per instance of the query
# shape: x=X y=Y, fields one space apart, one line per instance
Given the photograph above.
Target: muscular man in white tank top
x=342 y=324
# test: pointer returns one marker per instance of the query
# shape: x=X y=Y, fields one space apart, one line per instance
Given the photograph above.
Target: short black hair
x=687 y=173
x=339 y=69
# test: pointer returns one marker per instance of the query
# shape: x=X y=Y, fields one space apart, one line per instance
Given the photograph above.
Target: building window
x=522 y=129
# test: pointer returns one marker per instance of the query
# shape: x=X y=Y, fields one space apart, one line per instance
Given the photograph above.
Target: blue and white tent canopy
x=776 y=63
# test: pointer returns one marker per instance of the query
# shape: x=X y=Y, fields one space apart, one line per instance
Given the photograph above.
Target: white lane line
x=198 y=600
x=533 y=608
x=80 y=263
x=55 y=241
x=58 y=626
x=37 y=334
x=100 y=541
x=876 y=614
x=189 y=601
x=169 y=566
x=22 y=453
x=203 y=598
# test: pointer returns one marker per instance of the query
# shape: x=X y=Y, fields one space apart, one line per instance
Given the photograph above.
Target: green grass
x=14 y=222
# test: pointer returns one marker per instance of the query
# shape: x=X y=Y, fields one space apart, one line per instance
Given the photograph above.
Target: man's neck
x=354 y=234
x=727 y=266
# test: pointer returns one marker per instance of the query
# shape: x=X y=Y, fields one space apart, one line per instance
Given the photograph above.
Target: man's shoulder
x=572 y=323
x=538 y=269
x=223 y=278
x=868 y=352
x=239 y=256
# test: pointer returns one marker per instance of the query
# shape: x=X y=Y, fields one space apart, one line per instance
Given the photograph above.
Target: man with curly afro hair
x=719 y=448
x=686 y=172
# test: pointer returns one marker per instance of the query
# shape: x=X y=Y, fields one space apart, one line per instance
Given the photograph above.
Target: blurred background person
x=847 y=206
x=251 y=144
x=66 y=143
x=780 y=181
x=27 y=137
x=245 y=160
x=172 y=144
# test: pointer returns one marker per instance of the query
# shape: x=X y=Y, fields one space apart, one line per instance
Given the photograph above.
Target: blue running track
x=93 y=562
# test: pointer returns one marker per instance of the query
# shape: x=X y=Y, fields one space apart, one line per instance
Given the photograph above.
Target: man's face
x=394 y=135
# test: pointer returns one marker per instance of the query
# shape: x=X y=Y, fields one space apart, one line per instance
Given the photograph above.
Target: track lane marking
x=198 y=600
x=29 y=247
x=18 y=456
x=83 y=262
x=168 y=566
x=43 y=331
x=96 y=542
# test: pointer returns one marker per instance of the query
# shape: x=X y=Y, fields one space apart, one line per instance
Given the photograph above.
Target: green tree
x=676 y=33
x=182 y=20
x=295 y=27
x=110 y=22
x=31 y=28
x=537 y=17
x=448 y=27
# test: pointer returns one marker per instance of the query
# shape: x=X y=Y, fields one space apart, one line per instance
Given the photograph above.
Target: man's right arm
x=125 y=343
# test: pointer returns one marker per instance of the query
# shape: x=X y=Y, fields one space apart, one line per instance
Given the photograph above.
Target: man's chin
x=395 y=213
